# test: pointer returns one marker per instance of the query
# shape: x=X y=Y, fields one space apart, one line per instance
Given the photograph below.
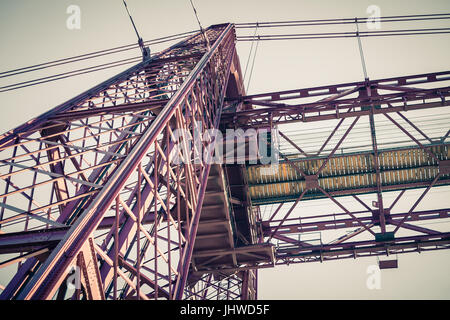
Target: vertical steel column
x=377 y=174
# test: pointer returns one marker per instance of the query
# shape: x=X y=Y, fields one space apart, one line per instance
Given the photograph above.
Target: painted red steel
x=112 y=145
x=382 y=98
x=89 y=186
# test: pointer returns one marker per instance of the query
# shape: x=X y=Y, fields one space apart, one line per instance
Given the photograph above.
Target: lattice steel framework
x=326 y=170
x=90 y=186
x=90 y=190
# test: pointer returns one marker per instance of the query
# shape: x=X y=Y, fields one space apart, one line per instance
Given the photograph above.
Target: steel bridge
x=91 y=191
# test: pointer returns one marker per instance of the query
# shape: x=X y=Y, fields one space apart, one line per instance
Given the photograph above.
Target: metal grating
x=347 y=174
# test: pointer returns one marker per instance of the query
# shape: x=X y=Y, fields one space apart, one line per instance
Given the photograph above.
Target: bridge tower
x=110 y=195
x=91 y=195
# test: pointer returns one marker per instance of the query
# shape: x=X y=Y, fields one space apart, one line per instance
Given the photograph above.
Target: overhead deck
x=347 y=174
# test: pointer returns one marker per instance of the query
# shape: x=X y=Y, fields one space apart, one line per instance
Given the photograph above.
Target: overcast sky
x=33 y=31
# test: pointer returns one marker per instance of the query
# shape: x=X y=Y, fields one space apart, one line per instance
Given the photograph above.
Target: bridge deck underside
x=347 y=174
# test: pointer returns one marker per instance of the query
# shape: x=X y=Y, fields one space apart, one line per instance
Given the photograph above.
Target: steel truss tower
x=93 y=205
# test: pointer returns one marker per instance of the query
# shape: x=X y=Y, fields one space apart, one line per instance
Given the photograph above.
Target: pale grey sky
x=35 y=31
